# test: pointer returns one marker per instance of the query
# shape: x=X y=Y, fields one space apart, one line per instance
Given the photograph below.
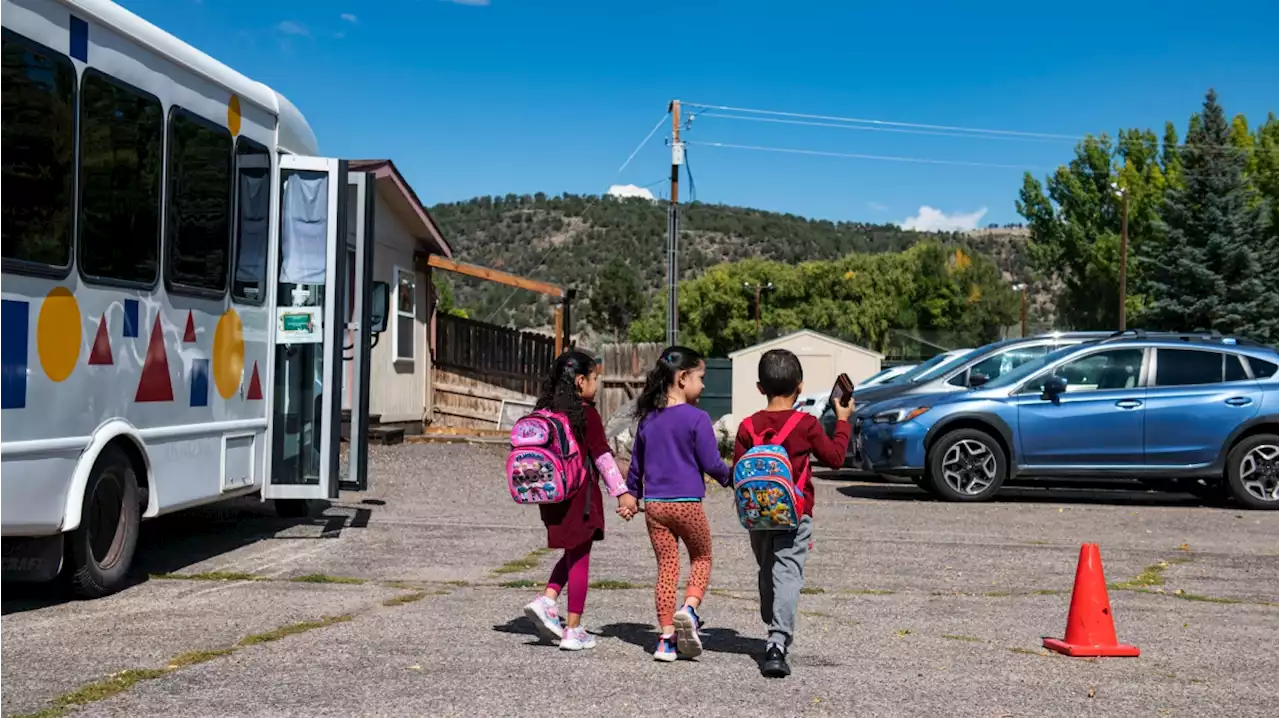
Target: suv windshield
x=1023 y=371
x=946 y=366
x=919 y=373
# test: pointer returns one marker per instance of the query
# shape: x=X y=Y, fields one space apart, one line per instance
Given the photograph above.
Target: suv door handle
x=1128 y=403
x=1239 y=401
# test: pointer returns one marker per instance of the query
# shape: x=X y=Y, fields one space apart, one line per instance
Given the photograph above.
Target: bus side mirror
x=379 y=306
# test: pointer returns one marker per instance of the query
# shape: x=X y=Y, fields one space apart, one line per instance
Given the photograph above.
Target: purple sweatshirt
x=674 y=447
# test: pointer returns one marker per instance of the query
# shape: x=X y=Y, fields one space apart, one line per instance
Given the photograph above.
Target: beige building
x=400 y=363
x=822 y=357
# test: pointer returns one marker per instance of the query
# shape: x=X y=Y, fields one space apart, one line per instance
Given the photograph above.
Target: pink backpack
x=545 y=465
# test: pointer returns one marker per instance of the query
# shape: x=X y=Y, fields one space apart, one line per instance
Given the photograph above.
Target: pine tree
x=1205 y=270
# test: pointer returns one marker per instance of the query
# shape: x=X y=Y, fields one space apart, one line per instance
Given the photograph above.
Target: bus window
x=38 y=144
x=121 y=132
x=253 y=216
x=198 y=206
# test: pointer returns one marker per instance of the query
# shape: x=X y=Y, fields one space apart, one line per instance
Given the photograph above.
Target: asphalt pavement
x=406 y=601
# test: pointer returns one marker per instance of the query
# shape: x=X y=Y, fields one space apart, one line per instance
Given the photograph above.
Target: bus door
x=361 y=325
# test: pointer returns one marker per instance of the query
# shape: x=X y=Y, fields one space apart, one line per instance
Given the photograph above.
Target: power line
x=866 y=128
x=890 y=123
x=858 y=156
x=643 y=142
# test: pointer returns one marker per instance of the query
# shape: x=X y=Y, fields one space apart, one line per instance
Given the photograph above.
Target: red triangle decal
x=189 y=336
x=101 y=352
x=155 y=384
x=255 y=386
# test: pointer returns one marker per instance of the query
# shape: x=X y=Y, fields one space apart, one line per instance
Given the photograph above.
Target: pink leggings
x=573 y=570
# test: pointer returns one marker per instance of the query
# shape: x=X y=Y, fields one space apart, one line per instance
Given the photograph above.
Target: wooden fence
x=625 y=366
x=479 y=365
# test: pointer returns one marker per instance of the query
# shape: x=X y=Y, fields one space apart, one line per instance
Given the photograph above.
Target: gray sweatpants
x=780 y=556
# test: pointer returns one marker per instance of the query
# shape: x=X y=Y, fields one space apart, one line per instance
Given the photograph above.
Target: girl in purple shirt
x=675 y=445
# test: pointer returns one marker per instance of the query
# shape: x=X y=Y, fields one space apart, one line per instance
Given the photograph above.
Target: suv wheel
x=966 y=465
x=1252 y=469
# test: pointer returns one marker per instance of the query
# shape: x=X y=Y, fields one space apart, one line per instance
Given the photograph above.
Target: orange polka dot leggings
x=670 y=522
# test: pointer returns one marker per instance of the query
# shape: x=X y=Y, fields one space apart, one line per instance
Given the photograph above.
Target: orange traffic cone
x=1090 y=628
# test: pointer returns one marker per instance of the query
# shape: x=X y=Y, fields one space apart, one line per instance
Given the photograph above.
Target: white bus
x=181 y=272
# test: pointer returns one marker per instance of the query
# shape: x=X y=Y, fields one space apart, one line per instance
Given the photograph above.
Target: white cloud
x=349 y=18
x=289 y=27
x=935 y=220
x=629 y=190
x=877 y=207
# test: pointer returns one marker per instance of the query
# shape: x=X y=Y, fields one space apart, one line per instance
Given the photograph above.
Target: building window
x=121 y=138
x=38 y=151
x=253 y=221
x=198 y=208
x=406 y=314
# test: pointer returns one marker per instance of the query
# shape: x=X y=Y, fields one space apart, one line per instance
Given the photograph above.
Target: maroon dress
x=572 y=523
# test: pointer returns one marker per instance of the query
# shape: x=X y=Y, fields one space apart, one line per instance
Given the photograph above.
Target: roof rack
x=1199 y=335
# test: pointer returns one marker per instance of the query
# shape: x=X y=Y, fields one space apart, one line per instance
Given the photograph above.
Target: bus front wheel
x=100 y=551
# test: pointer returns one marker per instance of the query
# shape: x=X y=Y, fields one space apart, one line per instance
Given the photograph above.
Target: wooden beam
x=560 y=347
x=493 y=275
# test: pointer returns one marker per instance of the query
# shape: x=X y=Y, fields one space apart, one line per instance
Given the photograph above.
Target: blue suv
x=1198 y=410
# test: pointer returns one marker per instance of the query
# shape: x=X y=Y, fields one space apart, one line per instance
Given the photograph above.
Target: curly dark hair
x=671 y=362
x=560 y=390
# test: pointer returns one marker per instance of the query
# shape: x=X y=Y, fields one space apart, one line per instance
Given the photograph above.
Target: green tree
x=445 y=302
x=1205 y=271
x=616 y=298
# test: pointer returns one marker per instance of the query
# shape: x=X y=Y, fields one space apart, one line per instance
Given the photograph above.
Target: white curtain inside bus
x=305 y=219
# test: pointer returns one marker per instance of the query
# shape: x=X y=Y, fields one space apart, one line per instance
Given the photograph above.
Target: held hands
x=627 y=506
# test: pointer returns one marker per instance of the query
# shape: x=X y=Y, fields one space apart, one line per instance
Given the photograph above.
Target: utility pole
x=1123 y=194
x=673 y=227
x=759 y=288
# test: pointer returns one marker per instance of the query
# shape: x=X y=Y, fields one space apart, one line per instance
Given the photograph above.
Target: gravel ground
x=405 y=601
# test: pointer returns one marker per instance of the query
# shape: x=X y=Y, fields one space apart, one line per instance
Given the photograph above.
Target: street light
x=1123 y=194
x=1021 y=289
x=758 y=288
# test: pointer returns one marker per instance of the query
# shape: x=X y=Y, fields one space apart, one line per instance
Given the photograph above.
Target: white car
x=814 y=403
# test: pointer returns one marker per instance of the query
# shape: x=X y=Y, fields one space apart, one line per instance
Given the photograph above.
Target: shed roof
x=404 y=201
x=809 y=333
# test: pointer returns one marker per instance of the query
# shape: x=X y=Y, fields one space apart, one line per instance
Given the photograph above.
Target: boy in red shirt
x=781 y=554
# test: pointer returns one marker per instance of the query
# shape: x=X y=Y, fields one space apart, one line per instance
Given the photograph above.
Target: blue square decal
x=200 y=382
x=130 y=318
x=79 y=39
x=15 y=324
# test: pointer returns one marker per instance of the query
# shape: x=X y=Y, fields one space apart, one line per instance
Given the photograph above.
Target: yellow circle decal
x=228 y=354
x=233 y=114
x=58 y=334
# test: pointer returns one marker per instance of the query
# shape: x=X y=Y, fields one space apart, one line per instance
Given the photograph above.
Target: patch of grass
x=457 y=584
x=1036 y=542
x=404 y=598
x=816 y=614
x=191 y=658
x=520 y=565
x=402 y=585
x=104 y=689
x=1049 y=592
x=869 y=592
x=292 y=630
x=208 y=576
x=325 y=578
x=998 y=594
x=961 y=637
x=1028 y=652
x=1205 y=599
x=812 y=590
x=609 y=584
x=519 y=583
x=1152 y=575
x=902 y=632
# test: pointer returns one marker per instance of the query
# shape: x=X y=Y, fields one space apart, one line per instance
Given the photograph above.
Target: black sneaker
x=775 y=664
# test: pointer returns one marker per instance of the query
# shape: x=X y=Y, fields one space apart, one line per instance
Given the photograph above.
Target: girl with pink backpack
x=559 y=454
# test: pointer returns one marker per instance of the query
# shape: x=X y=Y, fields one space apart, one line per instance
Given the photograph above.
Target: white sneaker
x=542 y=612
x=577 y=639
x=688 y=642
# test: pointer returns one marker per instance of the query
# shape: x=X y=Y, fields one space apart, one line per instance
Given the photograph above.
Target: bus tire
x=100 y=551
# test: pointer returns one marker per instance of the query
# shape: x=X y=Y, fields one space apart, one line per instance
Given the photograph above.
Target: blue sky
x=519 y=96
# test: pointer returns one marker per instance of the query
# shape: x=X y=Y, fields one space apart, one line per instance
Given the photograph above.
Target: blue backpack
x=767 y=495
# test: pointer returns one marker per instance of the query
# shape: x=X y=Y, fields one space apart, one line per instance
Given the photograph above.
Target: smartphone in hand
x=842 y=392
